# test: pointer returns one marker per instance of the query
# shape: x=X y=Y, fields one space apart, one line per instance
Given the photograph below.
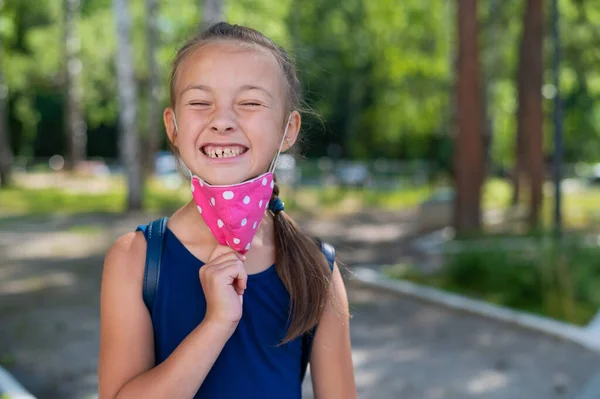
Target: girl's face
x=230 y=113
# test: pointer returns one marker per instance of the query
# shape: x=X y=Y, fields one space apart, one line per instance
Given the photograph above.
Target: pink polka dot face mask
x=234 y=212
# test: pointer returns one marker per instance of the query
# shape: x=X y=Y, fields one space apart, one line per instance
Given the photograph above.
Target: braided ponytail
x=304 y=271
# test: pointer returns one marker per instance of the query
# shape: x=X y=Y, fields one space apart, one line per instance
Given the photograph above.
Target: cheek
x=188 y=135
x=265 y=139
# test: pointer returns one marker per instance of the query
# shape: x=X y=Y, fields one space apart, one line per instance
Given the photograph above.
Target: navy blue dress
x=252 y=364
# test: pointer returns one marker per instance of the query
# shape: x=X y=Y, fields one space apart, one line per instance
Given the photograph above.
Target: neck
x=193 y=224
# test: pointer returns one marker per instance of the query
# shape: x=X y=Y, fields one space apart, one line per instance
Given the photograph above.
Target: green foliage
x=379 y=72
x=529 y=273
x=20 y=200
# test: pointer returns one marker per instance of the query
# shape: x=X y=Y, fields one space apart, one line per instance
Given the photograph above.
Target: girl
x=240 y=287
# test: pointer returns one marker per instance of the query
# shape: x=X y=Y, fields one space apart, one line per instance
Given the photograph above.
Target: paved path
x=411 y=350
x=49 y=285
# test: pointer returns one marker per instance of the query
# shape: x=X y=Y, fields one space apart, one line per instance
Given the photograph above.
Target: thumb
x=218 y=251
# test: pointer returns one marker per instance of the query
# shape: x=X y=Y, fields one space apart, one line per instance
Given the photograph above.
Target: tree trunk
x=468 y=152
x=129 y=145
x=520 y=139
x=213 y=11
x=75 y=124
x=6 y=155
x=490 y=64
x=530 y=112
x=154 y=103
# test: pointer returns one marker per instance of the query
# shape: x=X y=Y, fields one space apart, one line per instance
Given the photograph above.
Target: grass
x=557 y=281
x=61 y=200
x=68 y=195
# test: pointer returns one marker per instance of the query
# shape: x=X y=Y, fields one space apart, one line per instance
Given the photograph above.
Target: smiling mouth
x=228 y=151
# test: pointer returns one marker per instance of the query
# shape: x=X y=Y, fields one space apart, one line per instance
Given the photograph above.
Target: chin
x=225 y=179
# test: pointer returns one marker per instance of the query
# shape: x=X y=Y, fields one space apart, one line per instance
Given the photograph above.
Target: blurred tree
x=378 y=73
x=154 y=130
x=129 y=145
x=490 y=58
x=75 y=123
x=468 y=150
x=530 y=154
x=519 y=170
x=5 y=148
x=213 y=11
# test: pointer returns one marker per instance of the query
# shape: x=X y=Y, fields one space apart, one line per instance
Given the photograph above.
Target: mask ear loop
x=179 y=160
x=175 y=122
x=274 y=161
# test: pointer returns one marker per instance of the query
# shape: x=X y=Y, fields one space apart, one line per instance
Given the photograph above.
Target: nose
x=223 y=121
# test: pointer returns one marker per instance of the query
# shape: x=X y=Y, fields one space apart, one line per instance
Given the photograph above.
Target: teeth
x=220 y=152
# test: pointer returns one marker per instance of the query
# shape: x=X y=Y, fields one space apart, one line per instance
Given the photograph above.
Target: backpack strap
x=308 y=338
x=154 y=237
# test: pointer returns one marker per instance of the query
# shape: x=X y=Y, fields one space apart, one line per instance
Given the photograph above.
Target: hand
x=224 y=280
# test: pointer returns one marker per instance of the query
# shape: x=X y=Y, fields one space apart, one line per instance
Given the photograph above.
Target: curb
x=587 y=338
x=10 y=388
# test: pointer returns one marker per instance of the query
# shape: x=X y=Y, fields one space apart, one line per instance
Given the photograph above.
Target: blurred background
x=454 y=144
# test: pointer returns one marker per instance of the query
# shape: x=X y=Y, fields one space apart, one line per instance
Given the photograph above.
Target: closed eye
x=199 y=103
x=252 y=104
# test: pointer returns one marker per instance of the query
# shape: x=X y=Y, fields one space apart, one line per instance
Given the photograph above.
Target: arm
x=331 y=359
x=126 y=367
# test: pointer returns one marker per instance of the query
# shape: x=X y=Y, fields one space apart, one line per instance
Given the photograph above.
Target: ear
x=169 y=121
x=293 y=127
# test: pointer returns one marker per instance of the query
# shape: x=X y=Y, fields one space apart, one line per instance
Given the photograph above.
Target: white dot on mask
x=246 y=200
x=247 y=247
x=254 y=226
x=272 y=184
x=244 y=221
x=228 y=195
x=192 y=187
x=236 y=240
x=264 y=181
x=220 y=223
x=212 y=201
x=260 y=204
x=199 y=209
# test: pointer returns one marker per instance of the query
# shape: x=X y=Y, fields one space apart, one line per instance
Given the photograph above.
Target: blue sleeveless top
x=251 y=365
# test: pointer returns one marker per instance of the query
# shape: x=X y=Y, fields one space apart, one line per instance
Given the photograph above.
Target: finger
x=218 y=251
x=228 y=257
x=231 y=261
x=221 y=250
x=213 y=270
x=216 y=267
x=241 y=282
x=236 y=275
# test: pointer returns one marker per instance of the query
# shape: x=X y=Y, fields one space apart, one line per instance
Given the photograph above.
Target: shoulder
x=338 y=297
x=126 y=257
